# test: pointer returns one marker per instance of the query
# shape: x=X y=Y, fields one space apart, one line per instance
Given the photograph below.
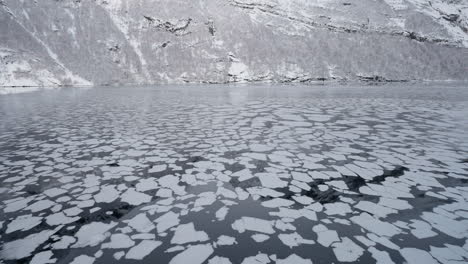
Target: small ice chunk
x=23 y=223
x=60 y=219
x=375 y=209
x=294 y=240
x=277 y=202
x=253 y=224
x=141 y=223
x=260 y=258
x=73 y=211
x=108 y=194
x=119 y=241
x=146 y=185
x=64 y=242
x=118 y=255
x=294 y=259
x=167 y=221
x=21 y=248
x=143 y=249
x=337 y=208
x=381 y=257
x=195 y=255
x=219 y=260
x=303 y=200
x=40 y=205
x=83 y=259
x=43 y=257
x=157 y=168
x=144 y=236
x=54 y=192
x=347 y=250
x=135 y=198
x=259 y=238
x=325 y=237
x=271 y=180
x=186 y=233
x=226 y=240
x=205 y=199
x=92 y=234
x=376 y=226
x=221 y=213
x=417 y=256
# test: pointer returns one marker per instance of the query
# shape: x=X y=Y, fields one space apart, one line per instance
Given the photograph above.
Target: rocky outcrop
x=111 y=42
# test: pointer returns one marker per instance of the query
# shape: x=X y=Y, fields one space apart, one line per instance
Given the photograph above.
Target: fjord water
x=193 y=173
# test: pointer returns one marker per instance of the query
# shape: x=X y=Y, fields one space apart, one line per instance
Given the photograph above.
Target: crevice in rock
x=178 y=28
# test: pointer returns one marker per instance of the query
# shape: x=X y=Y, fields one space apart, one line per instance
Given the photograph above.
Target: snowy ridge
x=123 y=42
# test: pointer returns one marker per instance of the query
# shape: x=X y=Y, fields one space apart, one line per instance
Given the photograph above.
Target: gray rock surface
x=100 y=42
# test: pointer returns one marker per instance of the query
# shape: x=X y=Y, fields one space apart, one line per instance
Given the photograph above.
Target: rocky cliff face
x=85 y=42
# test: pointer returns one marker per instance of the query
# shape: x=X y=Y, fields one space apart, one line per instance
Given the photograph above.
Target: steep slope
x=74 y=42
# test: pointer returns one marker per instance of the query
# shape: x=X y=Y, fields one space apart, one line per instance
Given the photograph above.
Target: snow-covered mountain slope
x=83 y=42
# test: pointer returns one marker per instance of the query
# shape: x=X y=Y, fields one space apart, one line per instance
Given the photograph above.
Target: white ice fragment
x=118 y=241
x=43 y=257
x=60 y=219
x=146 y=185
x=40 y=205
x=271 y=180
x=417 y=256
x=118 y=255
x=54 y=192
x=108 y=194
x=219 y=260
x=347 y=250
x=260 y=258
x=226 y=240
x=141 y=223
x=337 y=208
x=195 y=255
x=92 y=234
x=381 y=257
x=157 y=168
x=186 y=233
x=72 y=211
x=221 y=213
x=303 y=200
x=205 y=198
x=83 y=259
x=294 y=240
x=253 y=224
x=375 y=209
x=143 y=249
x=325 y=237
x=259 y=238
x=277 y=202
x=23 y=223
x=133 y=197
x=64 y=242
x=167 y=221
x=294 y=259
x=376 y=226
x=21 y=248
x=260 y=148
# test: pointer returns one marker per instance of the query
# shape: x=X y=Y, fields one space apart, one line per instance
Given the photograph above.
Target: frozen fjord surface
x=235 y=174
